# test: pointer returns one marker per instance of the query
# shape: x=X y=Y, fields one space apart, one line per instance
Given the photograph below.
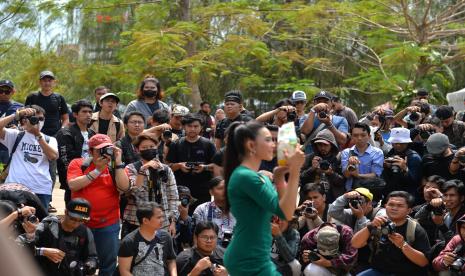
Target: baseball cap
x=79 y=208
x=233 y=96
x=179 y=110
x=108 y=95
x=400 y=135
x=298 y=96
x=322 y=141
x=365 y=192
x=7 y=83
x=327 y=241
x=322 y=94
x=437 y=143
x=99 y=141
x=46 y=73
x=444 y=112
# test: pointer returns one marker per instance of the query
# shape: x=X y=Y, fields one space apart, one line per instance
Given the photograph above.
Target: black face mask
x=150 y=93
x=149 y=154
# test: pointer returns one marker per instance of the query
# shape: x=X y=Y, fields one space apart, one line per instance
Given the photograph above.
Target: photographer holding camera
x=31 y=152
x=360 y=209
x=402 y=166
x=100 y=179
x=206 y=257
x=415 y=114
x=66 y=246
x=214 y=211
x=451 y=260
x=454 y=129
x=190 y=158
x=285 y=246
x=327 y=250
x=185 y=224
x=319 y=118
x=323 y=165
x=313 y=211
x=439 y=157
x=398 y=244
x=283 y=112
x=151 y=181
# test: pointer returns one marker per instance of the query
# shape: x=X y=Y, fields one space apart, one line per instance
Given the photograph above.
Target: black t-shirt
x=269 y=165
x=200 y=151
x=54 y=105
x=218 y=157
x=187 y=260
x=390 y=259
x=134 y=245
x=436 y=166
x=153 y=106
x=103 y=125
x=225 y=123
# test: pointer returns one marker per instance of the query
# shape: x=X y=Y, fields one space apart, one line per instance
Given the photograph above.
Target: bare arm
x=172 y=267
x=307 y=126
x=64 y=120
x=124 y=264
x=51 y=153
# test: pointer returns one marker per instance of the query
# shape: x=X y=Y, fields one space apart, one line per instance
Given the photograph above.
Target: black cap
x=323 y=94
x=444 y=112
x=422 y=92
x=79 y=208
x=45 y=74
x=7 y=83
x=233 y=96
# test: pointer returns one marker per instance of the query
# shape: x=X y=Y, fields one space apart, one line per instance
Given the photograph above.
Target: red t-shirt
x=101 y=193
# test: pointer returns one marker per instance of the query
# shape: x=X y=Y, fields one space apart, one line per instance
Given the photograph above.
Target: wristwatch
x=120 y=166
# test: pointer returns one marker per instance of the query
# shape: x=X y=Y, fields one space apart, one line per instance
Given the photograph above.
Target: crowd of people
x=161 y=190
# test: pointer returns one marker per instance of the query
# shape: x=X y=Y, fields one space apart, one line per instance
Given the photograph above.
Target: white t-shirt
x=85 y=145
x=29 y=165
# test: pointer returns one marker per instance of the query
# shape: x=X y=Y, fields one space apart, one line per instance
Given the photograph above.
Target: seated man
x=205 y=258
x=63 y=246
x=399 y=245
x=327 y=250
x=314 y=210
x=148 y=248
x=213 y=211
x=451 y=259
x=285 y=247
x=360 y=210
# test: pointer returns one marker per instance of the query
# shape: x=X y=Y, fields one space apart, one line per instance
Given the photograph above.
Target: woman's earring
x=253 y=152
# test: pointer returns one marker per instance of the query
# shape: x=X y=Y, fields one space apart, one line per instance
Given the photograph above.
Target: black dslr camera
x=185 y=200
x=192 y=165
x=394 y=168
x=322 y=114
x=32 y=218
x=458 y=263
x=440 y=210
x=167 y=134
x=291 y=116
x=309 y=209
x=77 y=268
x=356 y=202
x=106 y=151
x=34 y=120
x=324 y=165
x=227 y=236
x=425 y=134
x=388 y=228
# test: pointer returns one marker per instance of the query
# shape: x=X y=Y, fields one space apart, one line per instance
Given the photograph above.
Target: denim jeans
x=373 y=272
x=44 y=199
x=107 y=244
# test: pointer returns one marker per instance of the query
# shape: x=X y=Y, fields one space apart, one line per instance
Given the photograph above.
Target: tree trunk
x=191 y=48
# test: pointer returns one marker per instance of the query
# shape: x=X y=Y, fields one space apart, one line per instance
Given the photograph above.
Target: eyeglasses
x=5 y=91
x=207 y=238
x=136 y=122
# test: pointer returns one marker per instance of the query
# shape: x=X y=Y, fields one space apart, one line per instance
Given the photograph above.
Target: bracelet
x=90 y=177
x=20 y=214
x=403 y=245
x=17 y=115
x=120 y=166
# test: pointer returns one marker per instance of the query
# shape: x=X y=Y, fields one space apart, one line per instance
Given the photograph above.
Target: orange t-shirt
x=101 y=194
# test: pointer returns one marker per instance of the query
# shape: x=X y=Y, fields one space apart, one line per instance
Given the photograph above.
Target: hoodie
x=438 y=264
x=309 y=175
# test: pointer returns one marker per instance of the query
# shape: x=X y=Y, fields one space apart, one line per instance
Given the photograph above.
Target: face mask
x=150 y=93
x=41 y=125
x=149 y=154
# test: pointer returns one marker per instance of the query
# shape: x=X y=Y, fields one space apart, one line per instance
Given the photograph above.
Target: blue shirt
x=371 y=161
x=340 y=123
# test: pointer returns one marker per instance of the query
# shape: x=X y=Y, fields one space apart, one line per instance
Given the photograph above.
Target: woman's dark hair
x=6 y=207
x=77 y=106
x=161 y=116
x=282 y=102
x=132 y=113
x=149 y=78
x=409 y=199
x=363 y=126
x=145 y=210
x=238 y=134
x=205 y=225
x=145 y=136
x=272 y=127
x=215 y=181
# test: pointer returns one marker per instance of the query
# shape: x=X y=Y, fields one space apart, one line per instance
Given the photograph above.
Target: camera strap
x=4 y=173
x=153 y=243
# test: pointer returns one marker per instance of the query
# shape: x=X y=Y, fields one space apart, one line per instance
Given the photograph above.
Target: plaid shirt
x=169 y=196
x=347 y=254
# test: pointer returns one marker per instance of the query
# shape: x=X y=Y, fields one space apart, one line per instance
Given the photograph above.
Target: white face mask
x=41 y=125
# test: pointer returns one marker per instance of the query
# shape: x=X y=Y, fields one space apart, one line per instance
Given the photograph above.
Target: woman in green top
x=252 y=198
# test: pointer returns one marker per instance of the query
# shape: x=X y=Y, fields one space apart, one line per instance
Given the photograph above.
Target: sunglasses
x=6 y=91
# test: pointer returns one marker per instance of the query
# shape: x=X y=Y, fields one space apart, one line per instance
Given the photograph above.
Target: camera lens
x=322 y=114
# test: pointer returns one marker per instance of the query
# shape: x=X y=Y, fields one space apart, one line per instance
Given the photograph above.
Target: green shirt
x=253 y=201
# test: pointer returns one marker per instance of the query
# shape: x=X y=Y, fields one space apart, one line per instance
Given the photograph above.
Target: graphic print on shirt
x=153 y=264
x=32 y=153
